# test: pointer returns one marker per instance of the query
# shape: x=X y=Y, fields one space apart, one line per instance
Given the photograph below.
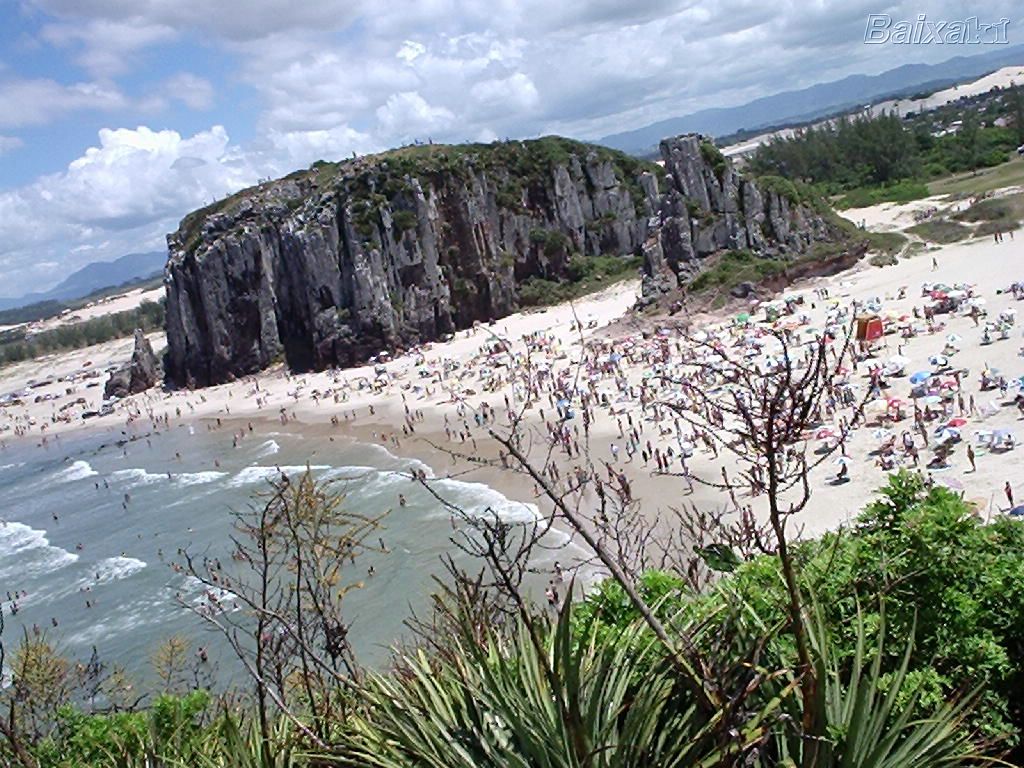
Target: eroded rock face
x=138 y=375
x=710 y=208
x=340 y=262
x=332 y=265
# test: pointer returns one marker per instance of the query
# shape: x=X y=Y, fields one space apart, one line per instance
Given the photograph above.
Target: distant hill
x=817 y=100
x=96 y=276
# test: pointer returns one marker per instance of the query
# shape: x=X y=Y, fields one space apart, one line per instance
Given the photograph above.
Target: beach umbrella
x=945 y=434
x=1017 y=511
x=957 y=422
x=899 y=360
x=920 y=377
x=824 y=434
x=931 y=400
x=939 y=361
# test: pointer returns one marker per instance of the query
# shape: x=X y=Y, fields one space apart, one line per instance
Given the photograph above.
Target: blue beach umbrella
x=920 y=377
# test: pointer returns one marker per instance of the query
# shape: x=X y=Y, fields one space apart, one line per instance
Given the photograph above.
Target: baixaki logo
x=882 y=28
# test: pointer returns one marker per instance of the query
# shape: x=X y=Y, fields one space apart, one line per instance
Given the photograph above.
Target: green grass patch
x=900 y=192
x=403 y=220
x=886 y=243
x=916 y=248
x=586 y=274
x=940 y=231
x=734 y=267
x=713 y=156
x=991 y=227
x=1008 y=174
x=1005 y=210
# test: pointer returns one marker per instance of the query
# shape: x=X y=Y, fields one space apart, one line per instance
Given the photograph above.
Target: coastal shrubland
x=913 y=616
x=866 y=160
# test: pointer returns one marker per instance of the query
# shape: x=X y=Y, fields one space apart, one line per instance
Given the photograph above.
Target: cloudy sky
x=117 y=117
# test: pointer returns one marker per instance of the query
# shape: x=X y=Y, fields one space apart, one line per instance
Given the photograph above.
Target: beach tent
x=870 y=328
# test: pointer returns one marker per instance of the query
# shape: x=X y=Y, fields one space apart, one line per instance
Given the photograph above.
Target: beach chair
x=988 y=410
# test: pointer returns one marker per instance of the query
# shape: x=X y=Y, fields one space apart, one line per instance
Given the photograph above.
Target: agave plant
x=866 y=718
x=552 y=697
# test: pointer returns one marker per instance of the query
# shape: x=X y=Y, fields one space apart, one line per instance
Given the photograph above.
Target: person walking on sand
x=1008 y=490
x=935 y=264
x=970 y=457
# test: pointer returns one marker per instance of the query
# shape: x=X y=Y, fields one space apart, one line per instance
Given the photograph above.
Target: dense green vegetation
x=585 y=274
x=914 y=615
x=889 y=158
x=18 y=344
x=735 y=267
x=921 y=562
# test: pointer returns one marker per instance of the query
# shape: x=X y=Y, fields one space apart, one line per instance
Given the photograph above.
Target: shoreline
x=454 y=379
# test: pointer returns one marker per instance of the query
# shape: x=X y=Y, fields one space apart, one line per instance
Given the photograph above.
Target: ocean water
x=95 y=517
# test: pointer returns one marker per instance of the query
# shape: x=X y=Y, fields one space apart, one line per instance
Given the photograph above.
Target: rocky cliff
x=329 y=266
x=139 y=374
x=708 y=208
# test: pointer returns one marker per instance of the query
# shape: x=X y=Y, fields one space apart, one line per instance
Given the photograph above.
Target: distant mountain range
x=93 y=277
x=817 y=100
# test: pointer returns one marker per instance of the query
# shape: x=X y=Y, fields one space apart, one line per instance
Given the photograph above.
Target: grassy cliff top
x=522 y=163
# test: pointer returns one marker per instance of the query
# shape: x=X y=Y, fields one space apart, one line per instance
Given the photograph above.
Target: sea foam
x=26 y=552
x=79 y=470
x=257 y=474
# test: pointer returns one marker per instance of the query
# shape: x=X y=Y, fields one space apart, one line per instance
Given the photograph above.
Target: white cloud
x=407 y=115
x=295 y=149
x=410 y=50
x=252 y=20
x=39 y=101
x=515 y=92
x=332 y=77
x=123 y=194
x=191 y=90
x=106 y=46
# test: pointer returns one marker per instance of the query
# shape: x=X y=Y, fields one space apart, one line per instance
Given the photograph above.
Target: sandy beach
x=437 y=403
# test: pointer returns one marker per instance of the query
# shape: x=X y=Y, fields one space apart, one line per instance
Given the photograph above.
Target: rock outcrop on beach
x=331 y=265
x=138 y=375
x=709 y=208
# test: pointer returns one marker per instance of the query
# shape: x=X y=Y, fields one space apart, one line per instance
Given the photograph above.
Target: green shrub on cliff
x=731 y=268
x=920 y=561
x=585 y=274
